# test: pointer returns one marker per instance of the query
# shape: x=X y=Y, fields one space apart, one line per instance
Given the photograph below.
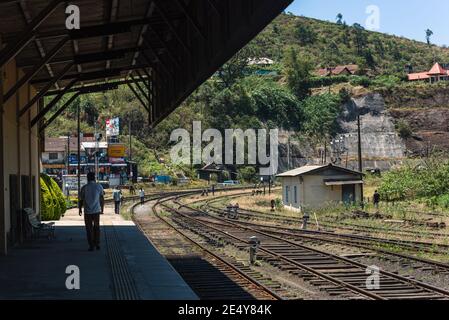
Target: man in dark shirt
x=376 y=199
x=92 y=199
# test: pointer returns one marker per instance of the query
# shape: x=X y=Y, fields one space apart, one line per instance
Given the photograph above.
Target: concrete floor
x=37 y=269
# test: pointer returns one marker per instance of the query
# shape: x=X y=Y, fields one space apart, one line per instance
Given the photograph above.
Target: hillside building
x=314 y=187
x=436 y=74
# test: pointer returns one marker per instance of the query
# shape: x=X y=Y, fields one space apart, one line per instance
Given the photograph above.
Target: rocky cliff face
x=381 y=145
x=425 y=112
x=430 y=129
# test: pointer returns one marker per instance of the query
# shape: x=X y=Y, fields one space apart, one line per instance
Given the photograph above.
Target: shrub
x=404 y=129
x=360 y=81
x=278 y=203
x=247 y=174
x=53 y=204
x=47 y=207
x=428 y=182
x=327 y=81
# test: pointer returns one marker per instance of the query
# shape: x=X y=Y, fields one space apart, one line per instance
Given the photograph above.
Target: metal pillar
x=3 y=247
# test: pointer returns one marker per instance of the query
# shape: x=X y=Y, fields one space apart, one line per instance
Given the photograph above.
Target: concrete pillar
x=3 y=244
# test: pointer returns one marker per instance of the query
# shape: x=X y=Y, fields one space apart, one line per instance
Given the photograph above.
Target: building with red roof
x=435 y=74
x=349 y=69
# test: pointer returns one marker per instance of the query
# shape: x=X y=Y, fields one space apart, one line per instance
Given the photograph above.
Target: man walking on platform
x=142 y=196
x=92 y=199
x=117 y=195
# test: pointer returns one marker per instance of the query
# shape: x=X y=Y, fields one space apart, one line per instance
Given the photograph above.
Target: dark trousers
x=142 y=200
x=117 y=207
x=92 y=222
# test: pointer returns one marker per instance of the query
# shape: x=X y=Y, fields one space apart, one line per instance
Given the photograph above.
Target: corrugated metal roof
x=300 y=171
x=311 y=168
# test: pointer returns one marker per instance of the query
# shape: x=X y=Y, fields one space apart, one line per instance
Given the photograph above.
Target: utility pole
x=288 y=151
x=130 y=155
x=68 y=154
x=130 y=141
x=325 y=151
x=359 y=143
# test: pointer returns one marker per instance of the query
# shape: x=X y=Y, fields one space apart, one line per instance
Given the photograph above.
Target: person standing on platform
x=142 y=196
x=92 y=200
x=116 y=195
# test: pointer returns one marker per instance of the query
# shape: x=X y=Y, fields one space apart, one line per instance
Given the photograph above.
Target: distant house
x=264 y=62
x=348 y=70
x=221 y=171
x=436 y=74
x=312 y=187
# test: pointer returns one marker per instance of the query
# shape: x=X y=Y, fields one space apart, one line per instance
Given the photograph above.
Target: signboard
x=112 y=127
x=116 y=150
x=74 y=159
x=70 y=182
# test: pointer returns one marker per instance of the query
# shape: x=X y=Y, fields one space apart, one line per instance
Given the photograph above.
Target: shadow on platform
x=126 y=267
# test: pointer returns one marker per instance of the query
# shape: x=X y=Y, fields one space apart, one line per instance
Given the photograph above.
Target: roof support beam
x=94 y=75
x=169 y=51
x=138 y=97
x=12 y=50
x=154 y=53
x=44 y=90
x=92 y=88
x=214 y=7
x=36 y=69
x=84 y=90
x=173 y=29
x=55 y=100
x=145 y=82
x=139 y=87
x=93 y=57
x=192 y=21
x=57 y=113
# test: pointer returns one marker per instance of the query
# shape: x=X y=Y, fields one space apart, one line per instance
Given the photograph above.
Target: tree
x=305 y=34
x=320 y=114
x=429 y=34
x=275 y=104
x=339 y=19
x=298 y=71
x=361 y=38
x=235 y=68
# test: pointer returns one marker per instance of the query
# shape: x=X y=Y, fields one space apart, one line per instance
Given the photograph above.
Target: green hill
x=330 y=44
x=238 y=97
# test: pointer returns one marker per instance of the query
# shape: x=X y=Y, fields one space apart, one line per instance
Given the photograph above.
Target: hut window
x=295 y=193
x=286 y=193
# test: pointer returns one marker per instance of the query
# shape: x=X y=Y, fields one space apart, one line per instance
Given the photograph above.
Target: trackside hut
x=312 y=187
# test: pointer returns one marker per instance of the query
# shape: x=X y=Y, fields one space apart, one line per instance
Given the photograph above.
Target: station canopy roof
x=163 y=49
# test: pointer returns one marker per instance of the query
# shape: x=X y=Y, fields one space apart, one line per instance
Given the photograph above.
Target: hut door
x=348 y=191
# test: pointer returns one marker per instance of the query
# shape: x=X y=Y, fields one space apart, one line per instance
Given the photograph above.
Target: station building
x=161 y=50
x=314 y=187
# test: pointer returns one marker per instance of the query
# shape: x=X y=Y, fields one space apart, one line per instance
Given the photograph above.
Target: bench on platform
x=38 y=227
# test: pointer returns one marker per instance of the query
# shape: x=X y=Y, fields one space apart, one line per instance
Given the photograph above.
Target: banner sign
x=116 y=150
x=70 y=182
x=113 y=127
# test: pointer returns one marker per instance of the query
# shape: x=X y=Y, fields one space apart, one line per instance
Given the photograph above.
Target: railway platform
x=127 y=267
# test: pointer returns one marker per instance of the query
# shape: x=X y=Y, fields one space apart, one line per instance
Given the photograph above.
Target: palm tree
x=429 y=34
x=339 y=18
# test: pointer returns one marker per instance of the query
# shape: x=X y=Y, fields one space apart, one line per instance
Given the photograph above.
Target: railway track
x=213 y=277
x=332 y=225
x=414 y=246
x=334 y=274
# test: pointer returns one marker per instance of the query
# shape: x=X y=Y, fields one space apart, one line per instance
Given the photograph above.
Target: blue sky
x=408 y=18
